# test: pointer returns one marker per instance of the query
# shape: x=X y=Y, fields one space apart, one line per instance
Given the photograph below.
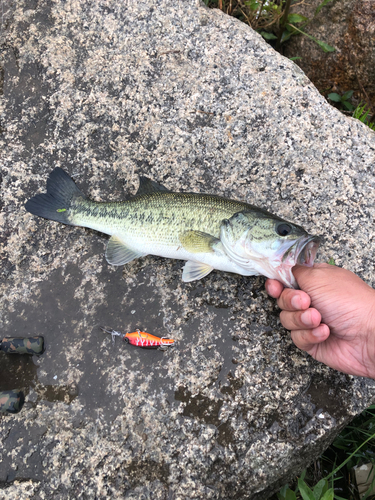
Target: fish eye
x=283 y=229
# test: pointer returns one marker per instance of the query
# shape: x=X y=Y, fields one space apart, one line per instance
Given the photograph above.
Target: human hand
x=332 y=317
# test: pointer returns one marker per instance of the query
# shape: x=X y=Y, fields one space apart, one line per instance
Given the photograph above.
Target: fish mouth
x=304 y=251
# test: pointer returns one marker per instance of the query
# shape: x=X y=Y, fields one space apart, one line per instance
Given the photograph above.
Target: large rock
x=196 y=100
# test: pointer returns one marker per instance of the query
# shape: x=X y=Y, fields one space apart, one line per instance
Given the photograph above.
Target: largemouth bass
x=207 y=231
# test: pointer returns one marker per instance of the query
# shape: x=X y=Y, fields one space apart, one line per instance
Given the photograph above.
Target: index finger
x=293 y=300
x=274 y=288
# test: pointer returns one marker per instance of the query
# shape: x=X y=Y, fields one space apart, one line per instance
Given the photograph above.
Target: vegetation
x=362 y=114
x=274 y=21
x=354 y=447
x=343 y=99
x=271 y=18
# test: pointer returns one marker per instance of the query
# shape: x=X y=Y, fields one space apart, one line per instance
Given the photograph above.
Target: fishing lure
x=141 y=339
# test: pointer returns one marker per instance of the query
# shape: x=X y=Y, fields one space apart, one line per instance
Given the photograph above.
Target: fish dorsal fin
x=118 y=254
x=147 y=186
x=197 y=241
x=195 y=271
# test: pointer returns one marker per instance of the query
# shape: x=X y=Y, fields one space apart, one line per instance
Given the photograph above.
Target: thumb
x=303 y=274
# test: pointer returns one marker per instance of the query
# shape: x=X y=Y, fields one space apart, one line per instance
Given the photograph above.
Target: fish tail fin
x=55 y=204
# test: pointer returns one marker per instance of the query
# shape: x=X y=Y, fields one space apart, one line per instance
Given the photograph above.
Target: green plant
x=271 y=18
x=291 y=29
x=354 y=446
x=321 y=491
x=343 y=99
x=288 y=28
x=362 y=114
x=321 y=5
x=355 y=436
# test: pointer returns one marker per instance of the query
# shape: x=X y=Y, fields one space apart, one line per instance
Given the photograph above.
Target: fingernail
x=319 y=331
x=306 y=318
x=296 y=302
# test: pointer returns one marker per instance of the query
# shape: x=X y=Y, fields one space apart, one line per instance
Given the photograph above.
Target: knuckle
x=290 y=320
x=284 y=301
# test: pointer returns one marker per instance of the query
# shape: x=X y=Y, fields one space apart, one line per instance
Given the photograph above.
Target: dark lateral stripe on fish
x=89 y=208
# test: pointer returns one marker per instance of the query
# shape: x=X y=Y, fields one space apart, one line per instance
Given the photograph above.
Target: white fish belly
x=218 y=259
x=170 y=248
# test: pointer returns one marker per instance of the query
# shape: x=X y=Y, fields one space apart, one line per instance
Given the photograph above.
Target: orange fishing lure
x=142 y=339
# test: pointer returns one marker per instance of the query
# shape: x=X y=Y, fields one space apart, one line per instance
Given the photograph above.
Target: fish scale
x=164 y=216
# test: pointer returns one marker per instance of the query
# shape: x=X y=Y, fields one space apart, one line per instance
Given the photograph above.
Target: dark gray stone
x=197 y=101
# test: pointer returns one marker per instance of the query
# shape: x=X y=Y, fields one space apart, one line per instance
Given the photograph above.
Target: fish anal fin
x=147 y=186
x=198 y=242
x=195 y=271
x=117 y=253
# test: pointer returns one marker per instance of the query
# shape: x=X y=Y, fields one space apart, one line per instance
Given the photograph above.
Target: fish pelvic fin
x=195 y=271
x=198 y=242
x=55 y=204
x=118 y=254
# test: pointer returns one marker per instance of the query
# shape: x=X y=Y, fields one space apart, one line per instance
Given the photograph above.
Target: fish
x=205 y=230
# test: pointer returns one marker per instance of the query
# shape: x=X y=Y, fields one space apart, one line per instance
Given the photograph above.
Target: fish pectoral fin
x=117 y=253
x=198 y=242
x=195 y=271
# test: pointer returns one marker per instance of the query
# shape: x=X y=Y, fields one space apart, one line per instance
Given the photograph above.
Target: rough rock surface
x=348 y=26
x=196 y=100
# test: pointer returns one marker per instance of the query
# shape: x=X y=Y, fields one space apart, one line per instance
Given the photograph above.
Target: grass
x=274 y=21
x=331 y=476
x=271 y=18
x=362 y=113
